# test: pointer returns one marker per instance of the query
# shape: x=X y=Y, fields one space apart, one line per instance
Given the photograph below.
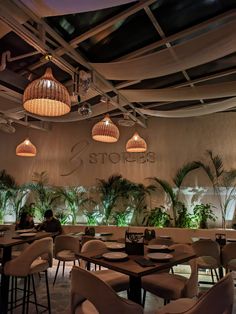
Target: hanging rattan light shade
x=105 y=131
x=26 y=149
x=46 y=96
x=136 y=144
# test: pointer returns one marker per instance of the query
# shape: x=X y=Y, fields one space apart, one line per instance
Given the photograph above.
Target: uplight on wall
x=136 y=144
x=26 y=149
x=105 y=131
x=46 y=97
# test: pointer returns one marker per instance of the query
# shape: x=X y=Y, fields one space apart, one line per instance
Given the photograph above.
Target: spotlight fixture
x=105 y=131
x=136 y=144
x=85 y=110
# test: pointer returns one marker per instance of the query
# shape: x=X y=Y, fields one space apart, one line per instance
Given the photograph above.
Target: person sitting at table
x=50 y=224
x=26 y=221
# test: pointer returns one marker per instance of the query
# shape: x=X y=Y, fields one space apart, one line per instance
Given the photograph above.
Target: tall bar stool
x=65 y=250
x=36 y=258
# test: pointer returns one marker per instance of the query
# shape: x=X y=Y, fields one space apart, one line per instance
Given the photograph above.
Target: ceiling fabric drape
x=194 y=111
x=209 y=91
x=63 y=7
x=205 y=48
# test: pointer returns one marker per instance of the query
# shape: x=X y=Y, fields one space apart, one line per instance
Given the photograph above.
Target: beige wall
x=174 y=141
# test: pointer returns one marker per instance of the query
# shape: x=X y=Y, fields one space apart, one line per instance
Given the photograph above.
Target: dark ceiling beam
x=13 y=79
x=227 y=16
x=72 y=52
x=168 y=45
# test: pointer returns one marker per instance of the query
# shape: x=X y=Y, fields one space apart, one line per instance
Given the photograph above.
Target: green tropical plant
x=184 y=218
x=122 y=218
x=173 y=193
x=203 y=213
x=158 y=217
x=7 y=184
x=16 y=199
x=111 y=190
x=44 y=195
x=220 y=179
x=75 y=198
x=92 y=217
x=138 y=199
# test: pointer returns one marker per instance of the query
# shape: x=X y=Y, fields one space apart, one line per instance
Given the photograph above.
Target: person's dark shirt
x=52 y=225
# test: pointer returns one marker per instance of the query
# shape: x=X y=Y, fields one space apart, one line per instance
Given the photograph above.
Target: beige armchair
x=66 y=248
x=37 y=257
x=228 y=256
x=208 y=255
x=172 y=286
x=217 y=300
x=91 y=295
x=118 y=281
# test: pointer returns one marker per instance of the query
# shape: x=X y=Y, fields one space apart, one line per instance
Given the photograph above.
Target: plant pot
x=203 y=225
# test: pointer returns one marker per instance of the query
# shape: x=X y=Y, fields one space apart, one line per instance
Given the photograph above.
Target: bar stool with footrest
x=36 y=258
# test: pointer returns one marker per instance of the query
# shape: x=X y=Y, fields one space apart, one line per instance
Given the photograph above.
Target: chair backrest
x=20 y=266
x=228 y=253
x=86 y=286
x=191 y=287
x=163 y=241
x=220 y=298
x=207 y=247
x=93 y=245
x=67 y=242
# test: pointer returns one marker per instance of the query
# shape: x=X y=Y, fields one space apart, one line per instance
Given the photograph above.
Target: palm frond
x=217 y=163
x=207 y=170
x=183 y=171
x=6 y=180
x=167 y=188
x=229 y=178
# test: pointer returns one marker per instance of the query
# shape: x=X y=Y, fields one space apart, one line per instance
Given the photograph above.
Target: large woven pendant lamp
x=136 y=144
x=46 y=96
x=26 y=149
x=105 y=131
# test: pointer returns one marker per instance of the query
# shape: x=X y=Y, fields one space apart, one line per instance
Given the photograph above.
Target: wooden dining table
x=131 y=268
x=9 y=240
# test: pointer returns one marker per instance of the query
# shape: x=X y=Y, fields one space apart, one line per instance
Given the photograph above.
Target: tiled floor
x=60 y=294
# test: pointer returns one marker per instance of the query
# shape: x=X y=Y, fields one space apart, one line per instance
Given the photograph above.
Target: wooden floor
x=60 y=293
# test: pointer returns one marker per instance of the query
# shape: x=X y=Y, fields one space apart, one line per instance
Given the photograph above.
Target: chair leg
x=35 y=297
x=12 y=293
x=55 y=278
x=63 y=271
x=212 y=277
x=28 y=295
x=48 y=292
x=144 y=297
x=217 y=276
x=24 y=294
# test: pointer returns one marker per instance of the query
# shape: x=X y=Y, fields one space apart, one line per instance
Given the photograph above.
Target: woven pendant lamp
x=136 y=144
x=105 y=131
x=46 y=96
x=26 y=149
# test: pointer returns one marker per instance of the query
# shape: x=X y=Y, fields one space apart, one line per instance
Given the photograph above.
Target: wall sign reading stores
x=115 y=158
x=77 y=158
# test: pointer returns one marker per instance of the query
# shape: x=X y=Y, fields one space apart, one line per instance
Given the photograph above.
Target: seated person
x=50 y=224
x=26 y=221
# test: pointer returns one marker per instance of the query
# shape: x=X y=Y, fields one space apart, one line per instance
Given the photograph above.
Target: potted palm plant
x=202 y=214
x=157 y=217
x=174 y=192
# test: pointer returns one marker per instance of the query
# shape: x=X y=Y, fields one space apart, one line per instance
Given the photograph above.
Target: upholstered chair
x=218 y=300
x=172 y=286
x=65 y=250
x=91 y=295
x=208 y=255
x=118 y=281
x=37 y=257
x=228 y=256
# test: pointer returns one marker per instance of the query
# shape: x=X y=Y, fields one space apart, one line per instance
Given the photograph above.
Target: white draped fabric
x=63 y=7
x=194 y=111
x=208 y=91
x=210 y=46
